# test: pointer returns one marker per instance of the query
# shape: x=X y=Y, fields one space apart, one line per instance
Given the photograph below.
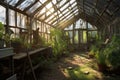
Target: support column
x=7 y=19
x=87 y=30
x=73 y=33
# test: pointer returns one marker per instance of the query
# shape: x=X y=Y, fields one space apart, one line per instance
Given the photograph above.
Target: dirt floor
x=76 y=66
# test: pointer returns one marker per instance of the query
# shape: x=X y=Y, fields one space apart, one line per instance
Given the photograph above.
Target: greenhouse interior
x=59 y=39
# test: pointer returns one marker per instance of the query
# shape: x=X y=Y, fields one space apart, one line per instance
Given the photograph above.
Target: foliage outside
x=2 y=30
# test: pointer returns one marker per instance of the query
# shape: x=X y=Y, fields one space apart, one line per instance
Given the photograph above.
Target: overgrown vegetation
x=58 y=42
x=108 y=54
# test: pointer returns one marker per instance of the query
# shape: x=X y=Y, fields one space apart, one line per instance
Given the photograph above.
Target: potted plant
x=16 y=43
x=2 y=30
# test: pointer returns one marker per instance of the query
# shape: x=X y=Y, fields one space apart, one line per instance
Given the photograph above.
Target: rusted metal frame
x=41 y=7
x=27 y=8
x=65 y=16
x=64 y=13
x=55 y=11
x=19 y=2
x=7 y=19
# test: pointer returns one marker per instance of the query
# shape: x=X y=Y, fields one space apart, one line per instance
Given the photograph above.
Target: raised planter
x=6 y=52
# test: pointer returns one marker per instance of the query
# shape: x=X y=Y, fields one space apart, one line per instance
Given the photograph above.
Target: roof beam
x=17 y=10
x=41 y=7
x=13 y=8
x=19 y=2
x=27 y=8
x=62 y=21
x=44 y=22
x=78 y=6
x=110 y=1
x=69 y=22
x=65 y=16
x=49 y=9
x=56 y=10
x=62 y=11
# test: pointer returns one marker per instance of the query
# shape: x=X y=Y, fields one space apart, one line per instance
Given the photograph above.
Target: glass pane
x=71 y=36
x=25 y=4
x=76 y=37
x=69 y=27
x=18 y=20
x=84 y=37
x=11 y=17
x=71 y=1
x=49 y=5
x=65 y=11
x=42 y=1
x=62 y=2
x=49 y=18
x=52 y=10
x=34 y=7
x=77 y=24
x=12 y=2
x=21 y=20
x=42 y=17
x=74 y=4
x=48 y=13
x=43 y=10
x=54 y=1
x=2 y=15
x=65 y=6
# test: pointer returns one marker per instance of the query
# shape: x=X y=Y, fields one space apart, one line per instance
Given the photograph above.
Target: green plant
x=2 y=30
x=100 y=57
x=16 y=43
x=112 y=51
x=93 y=51
x=58 y=42
x=17 y=40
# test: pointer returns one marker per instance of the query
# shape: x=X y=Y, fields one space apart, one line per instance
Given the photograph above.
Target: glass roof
x=52 y=11
x=12 y=2
x=34 y=7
